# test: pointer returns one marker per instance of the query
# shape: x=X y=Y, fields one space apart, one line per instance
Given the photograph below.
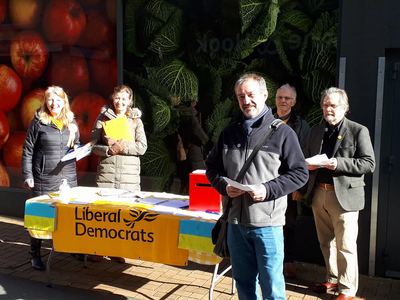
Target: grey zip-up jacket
x=279 y=165
x=120 y=171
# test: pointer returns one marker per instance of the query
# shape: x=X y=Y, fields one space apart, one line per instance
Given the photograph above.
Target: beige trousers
x=337 y=232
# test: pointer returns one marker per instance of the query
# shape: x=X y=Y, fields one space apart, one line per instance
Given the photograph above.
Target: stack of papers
x=317 y=160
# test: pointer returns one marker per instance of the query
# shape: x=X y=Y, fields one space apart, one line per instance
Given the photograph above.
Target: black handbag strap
x=274 y=126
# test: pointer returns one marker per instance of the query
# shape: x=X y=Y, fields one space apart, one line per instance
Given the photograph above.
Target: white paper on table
x=187 y=213
x=175 y=204
x=317 y=160
x=152 y=201
x=80 y=152
x=238 y=185
x=199 y=171
x=82 y=200
x=164 y=209
x=209 y=216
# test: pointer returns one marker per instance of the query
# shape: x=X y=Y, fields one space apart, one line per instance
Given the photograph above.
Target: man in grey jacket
x=256 y=218
x=336 y=190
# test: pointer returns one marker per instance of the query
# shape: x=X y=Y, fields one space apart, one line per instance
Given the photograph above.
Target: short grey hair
x=344 y=100
x=288 y=86
x=262 y=86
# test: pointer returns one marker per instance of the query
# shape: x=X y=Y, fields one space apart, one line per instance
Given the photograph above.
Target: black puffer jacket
x=43 y=149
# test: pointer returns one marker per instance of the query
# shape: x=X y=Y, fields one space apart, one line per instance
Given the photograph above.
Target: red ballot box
x=202 y=197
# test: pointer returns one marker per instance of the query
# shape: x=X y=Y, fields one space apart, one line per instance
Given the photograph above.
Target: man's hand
x=110 y=140
x=296 y=196
x=29 y=183
x=312 y=167
x=233 y=192
x=330 y=164
x=117 y=147
x=259 y=192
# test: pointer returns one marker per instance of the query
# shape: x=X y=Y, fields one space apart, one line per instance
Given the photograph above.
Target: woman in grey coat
x=119 y=163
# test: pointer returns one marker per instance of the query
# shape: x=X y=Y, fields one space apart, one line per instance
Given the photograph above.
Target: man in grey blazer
x=336 y=190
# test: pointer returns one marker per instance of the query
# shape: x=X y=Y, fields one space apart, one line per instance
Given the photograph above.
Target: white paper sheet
x=317 y=160
x=238 y=185
x=175 y=204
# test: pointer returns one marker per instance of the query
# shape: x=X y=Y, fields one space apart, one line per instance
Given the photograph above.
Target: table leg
x=48 y=265
x=217 y=276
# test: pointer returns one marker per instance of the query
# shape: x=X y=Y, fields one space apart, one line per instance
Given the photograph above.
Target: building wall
x=368 y=28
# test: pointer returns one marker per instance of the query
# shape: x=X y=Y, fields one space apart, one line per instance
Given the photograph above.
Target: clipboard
x=118 y=128
x=81 y=152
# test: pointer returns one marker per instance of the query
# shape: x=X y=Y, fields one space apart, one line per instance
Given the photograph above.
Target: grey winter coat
x=121 y=171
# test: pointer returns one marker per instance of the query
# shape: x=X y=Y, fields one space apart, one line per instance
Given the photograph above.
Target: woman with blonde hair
x=51 y=134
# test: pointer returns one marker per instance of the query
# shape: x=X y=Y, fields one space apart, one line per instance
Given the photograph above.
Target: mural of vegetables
x=178 y=51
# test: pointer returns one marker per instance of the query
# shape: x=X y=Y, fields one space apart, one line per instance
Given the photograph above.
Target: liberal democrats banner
x=124 y=231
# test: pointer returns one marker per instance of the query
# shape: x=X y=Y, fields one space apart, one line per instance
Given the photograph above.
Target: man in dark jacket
x=256 y=218
x=285 y=100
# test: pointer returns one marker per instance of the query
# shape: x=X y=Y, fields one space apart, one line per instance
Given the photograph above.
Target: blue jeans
x=257 y=257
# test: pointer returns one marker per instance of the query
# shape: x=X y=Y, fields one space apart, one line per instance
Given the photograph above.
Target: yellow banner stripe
x=195 y=243
x=41 y=223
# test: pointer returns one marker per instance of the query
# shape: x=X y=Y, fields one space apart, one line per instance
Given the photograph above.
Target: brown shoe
x=344 y=297
x=94 y=258
x=289 y=271
x=324 y=287
x=117 y=259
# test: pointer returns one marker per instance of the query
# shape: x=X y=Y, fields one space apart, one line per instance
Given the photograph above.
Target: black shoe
x=37 y=263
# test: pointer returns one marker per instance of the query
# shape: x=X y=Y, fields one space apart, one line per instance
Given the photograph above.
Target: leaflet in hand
x=118 y=128
x=80 y=152
x=238 y=185
x=317 y=160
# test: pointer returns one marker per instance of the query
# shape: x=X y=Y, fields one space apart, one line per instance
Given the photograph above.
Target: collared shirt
x=284 y=118
x=330 y=137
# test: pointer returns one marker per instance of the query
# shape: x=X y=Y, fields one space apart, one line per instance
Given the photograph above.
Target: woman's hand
x=117 y=147
x=110 y=140
x=29 y=183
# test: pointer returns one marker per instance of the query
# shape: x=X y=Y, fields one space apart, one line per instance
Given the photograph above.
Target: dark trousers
x=289 y=230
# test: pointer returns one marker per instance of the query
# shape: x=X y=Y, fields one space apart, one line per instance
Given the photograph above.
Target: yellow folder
x=118 y=128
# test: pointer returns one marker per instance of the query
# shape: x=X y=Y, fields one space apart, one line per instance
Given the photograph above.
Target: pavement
x=141 y=280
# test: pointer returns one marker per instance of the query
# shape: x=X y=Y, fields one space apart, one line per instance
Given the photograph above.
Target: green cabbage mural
x=179 y=51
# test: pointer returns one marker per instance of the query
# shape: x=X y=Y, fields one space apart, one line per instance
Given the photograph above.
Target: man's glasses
x=286 y=99
x=333 y=106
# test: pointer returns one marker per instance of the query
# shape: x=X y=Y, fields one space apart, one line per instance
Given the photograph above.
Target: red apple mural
x=82 y=166
x=31 y=102
x=26 y=14
x=86 y=107
x=94 y=162
x=69 y=69
x=12 y=152
x=29 y=54
x=4 y=129
x=111 y=8
x=4 y=178
x=98 y=30
x=103 y=69
x=64 y=21
x=7 y=34
x=3 y=10
x=89 y=2
x=10 y=88
x=14 y=118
